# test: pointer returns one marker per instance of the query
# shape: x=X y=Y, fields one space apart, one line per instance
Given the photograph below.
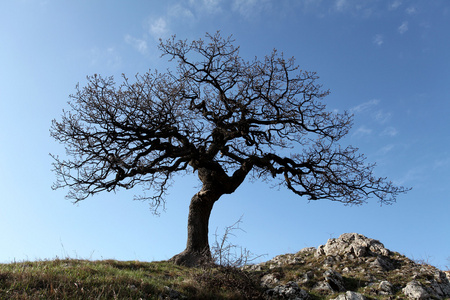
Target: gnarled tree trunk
x=197 y=250
x=215 y=184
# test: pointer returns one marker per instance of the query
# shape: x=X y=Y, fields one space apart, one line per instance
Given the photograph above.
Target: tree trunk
x=197 y=250
x=215 y=184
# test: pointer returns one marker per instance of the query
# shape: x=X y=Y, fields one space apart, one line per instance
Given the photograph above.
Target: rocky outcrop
x=351 y=267
x=352 y=245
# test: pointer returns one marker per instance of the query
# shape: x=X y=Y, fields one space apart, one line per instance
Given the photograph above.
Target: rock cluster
x=350 y=267
x=352 y=245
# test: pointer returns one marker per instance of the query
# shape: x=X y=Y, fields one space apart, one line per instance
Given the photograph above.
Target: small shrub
x=226 y=254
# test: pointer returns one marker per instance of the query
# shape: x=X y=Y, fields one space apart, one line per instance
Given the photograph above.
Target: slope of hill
x=349 y=267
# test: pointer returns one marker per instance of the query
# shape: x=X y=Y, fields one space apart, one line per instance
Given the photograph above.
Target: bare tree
x=220 y=116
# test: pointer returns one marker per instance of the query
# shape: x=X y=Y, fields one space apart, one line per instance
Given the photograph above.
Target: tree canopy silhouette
x=220 y=116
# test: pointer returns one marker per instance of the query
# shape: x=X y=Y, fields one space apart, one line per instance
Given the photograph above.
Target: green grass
x=82 y=279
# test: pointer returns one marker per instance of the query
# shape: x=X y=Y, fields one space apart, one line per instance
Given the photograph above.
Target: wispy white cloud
x=384 y=150
x=382 y=117
x=340 y=5
x=208 y=6
x=180 y=12
x=139 y=44
x=364 y=106
x=395 y=4
x=362 y=131
x=442 y=163
x=310 y=5
x=355 y=8
x=105 y=57
x=184 y=12
x=158 y=28
x=412 y=175
x=403 y=27
x=378 y=39
x=390 y=131
x=411 y=10
x=250 y=8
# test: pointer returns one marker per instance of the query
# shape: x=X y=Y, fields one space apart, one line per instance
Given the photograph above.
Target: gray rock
x=350 y=296
x=447 y=274
x=289 y=291
x=414 y=290
x=323 y=287
x=352 y=244
x=385 y=288
x=256 y=267
x=335 y=280
x=383 y=263
x=320 y=251
x=286 y=259
x=132 y=287
x=307 y=250
x=269 y=280
x=442 y=283
x=329 y=261
x=307 y=277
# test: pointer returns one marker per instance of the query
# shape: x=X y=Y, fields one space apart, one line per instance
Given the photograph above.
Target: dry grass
x=83 y=279
x=110 y=279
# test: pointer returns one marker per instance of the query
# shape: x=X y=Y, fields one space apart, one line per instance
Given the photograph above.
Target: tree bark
x=215 y=184
x=197 y=250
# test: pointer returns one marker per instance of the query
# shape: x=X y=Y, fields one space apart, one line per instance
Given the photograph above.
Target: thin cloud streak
x=139 y=44
x=378 y=39
x=362 y=131
x=364 y=106
x=394 y=5
x=390 y=131
x=403 y=28
x=382 y=117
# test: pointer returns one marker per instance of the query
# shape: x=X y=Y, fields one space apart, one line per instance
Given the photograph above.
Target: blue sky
x=387 y=62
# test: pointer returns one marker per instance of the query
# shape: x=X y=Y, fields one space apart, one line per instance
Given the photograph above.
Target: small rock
x=443 y=282
x=447 y=273
x=269 y=280
x=320 y=251
x=307 y=277
x=382 y=263
x=255 y=267
x=335 y=280
x=288 y=291
x=349 y=295
x=171 y=294
x=323 y=287
x=385 y=288
x=286 y=259
x=329 y=261
x=414 y=290
x=307 y=250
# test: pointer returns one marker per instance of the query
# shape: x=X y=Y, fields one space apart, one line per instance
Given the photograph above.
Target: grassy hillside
x=317 y=276
x=82 y=279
